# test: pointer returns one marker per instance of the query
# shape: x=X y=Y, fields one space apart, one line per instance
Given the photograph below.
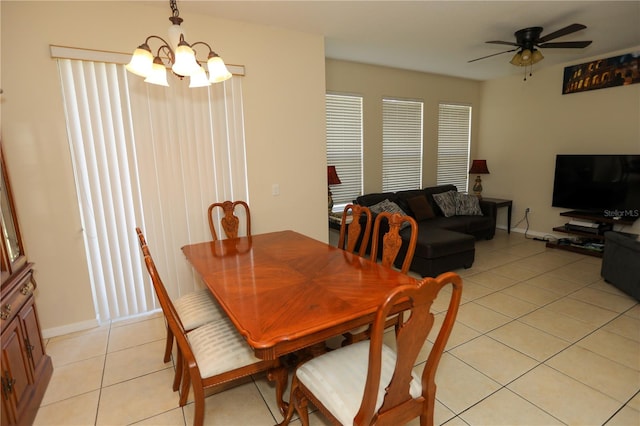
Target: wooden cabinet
x=25 y=368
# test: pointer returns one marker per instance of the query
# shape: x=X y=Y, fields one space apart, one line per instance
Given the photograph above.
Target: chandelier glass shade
x=178 y=55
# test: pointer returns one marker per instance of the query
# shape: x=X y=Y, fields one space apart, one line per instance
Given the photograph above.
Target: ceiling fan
x=529 y=39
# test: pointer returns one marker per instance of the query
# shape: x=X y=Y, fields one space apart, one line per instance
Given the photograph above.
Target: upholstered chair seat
x=338 y=379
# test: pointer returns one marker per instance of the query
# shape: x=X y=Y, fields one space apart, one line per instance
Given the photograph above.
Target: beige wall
x=524 y=124
x=374 y=83
x=284 y=124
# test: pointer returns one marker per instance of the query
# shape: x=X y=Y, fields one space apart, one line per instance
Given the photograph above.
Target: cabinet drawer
x=16 y=298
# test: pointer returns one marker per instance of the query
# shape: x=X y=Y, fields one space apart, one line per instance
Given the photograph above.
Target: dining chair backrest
x=168 y=309
x=230 y=223
x=353 y=232
x=393 y=393
x=392 y=241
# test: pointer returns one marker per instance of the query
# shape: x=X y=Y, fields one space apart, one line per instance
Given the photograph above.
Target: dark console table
x=498 y=202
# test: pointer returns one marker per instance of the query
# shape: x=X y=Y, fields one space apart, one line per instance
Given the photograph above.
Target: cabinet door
x=16 y=372
x=32 y=338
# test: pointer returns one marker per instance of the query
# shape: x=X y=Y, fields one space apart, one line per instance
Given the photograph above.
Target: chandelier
x=178 y=55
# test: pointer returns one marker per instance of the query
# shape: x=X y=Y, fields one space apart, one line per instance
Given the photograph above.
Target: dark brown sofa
x=444 y=243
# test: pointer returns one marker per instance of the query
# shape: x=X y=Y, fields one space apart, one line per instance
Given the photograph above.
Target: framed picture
x=619 y=70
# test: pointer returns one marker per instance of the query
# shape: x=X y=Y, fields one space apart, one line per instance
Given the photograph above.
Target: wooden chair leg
x=198 y=395
x=178 y=375
x=168 y=345
x=186 y=383
x=291 y=405
x=281 y=377
x=300 y=402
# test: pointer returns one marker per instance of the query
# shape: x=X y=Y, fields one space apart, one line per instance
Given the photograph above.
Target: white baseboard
x=87 y=325
x=69 y=328
x=530 y=233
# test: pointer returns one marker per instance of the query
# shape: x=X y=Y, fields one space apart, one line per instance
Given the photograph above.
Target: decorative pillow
x=421 y=208
x=388 y=206
x=467 y=204
x=447 y=202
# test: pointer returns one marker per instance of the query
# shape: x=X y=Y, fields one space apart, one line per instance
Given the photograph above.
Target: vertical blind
x=153 y=157
x=344 y=145
x=454 y=140
x=401 y=144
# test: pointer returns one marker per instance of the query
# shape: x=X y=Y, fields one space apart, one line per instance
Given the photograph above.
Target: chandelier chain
x=174 y=8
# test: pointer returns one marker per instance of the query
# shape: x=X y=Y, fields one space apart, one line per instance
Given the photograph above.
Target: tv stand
x=589 y=243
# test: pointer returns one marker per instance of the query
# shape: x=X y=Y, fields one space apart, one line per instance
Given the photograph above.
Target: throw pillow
x=388 y=206
x=467 y=204
x=421 y=208
x=447 y=202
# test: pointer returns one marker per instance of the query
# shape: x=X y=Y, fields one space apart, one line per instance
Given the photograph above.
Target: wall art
x=619 y=70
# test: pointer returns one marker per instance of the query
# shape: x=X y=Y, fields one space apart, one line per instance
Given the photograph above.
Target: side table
x=499 y=202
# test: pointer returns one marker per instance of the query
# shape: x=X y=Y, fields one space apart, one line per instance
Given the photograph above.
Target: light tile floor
x=540 y=339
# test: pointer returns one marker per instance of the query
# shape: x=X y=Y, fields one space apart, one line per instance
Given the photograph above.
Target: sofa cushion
x=375 y=198
x=467 y=205
x=447 y=202
x=421 y=208
x=437 y=242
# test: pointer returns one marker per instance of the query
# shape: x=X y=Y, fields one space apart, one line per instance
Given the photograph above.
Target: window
x=344 y=146
x=401 y=144
x=454 y=140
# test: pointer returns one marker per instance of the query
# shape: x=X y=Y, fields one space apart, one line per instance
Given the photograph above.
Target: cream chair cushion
x=219 y=348
x=197 y=308
x=338 y=378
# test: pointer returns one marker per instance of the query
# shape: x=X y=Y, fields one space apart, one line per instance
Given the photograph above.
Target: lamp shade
x=185 y=61
x=218 y=71
x=199 y=79
x=332 y=176
x=141 y=62
x=158 y=74
x=479 y=167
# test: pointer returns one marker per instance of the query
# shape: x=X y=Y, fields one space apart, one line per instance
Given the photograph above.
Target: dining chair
x=371 y=382
x=211 y=354
x=352 y=232
x=391 y=244
x=230 y=223
x=194 y=310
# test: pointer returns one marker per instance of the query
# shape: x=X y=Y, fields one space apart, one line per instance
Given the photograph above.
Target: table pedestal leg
x=281 y=377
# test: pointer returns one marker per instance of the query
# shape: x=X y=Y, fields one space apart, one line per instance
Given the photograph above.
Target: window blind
x=344 y=146
x=454 y=140
x=401 y=144
x=153 y=157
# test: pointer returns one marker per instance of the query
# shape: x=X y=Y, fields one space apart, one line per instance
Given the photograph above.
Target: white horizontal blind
x=401 y=144
x=344 y=145
x=454 y=140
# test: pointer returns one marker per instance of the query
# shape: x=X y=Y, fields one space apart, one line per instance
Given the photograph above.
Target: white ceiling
x=439 y=36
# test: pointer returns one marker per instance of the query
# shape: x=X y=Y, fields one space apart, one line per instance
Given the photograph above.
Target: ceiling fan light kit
x=529 y=41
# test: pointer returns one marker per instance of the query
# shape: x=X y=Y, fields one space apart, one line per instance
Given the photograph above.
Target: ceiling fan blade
x=495 y=54
x=508 y=43
x=562 y=32
x=565 y=44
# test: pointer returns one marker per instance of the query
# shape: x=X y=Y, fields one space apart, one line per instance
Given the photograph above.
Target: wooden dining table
x=285 y=291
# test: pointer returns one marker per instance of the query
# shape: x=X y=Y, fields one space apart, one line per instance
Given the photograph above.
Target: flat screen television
x=607 y=185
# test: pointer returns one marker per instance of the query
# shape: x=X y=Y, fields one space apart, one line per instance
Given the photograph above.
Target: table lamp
x=478 y=167
x=332 y=179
